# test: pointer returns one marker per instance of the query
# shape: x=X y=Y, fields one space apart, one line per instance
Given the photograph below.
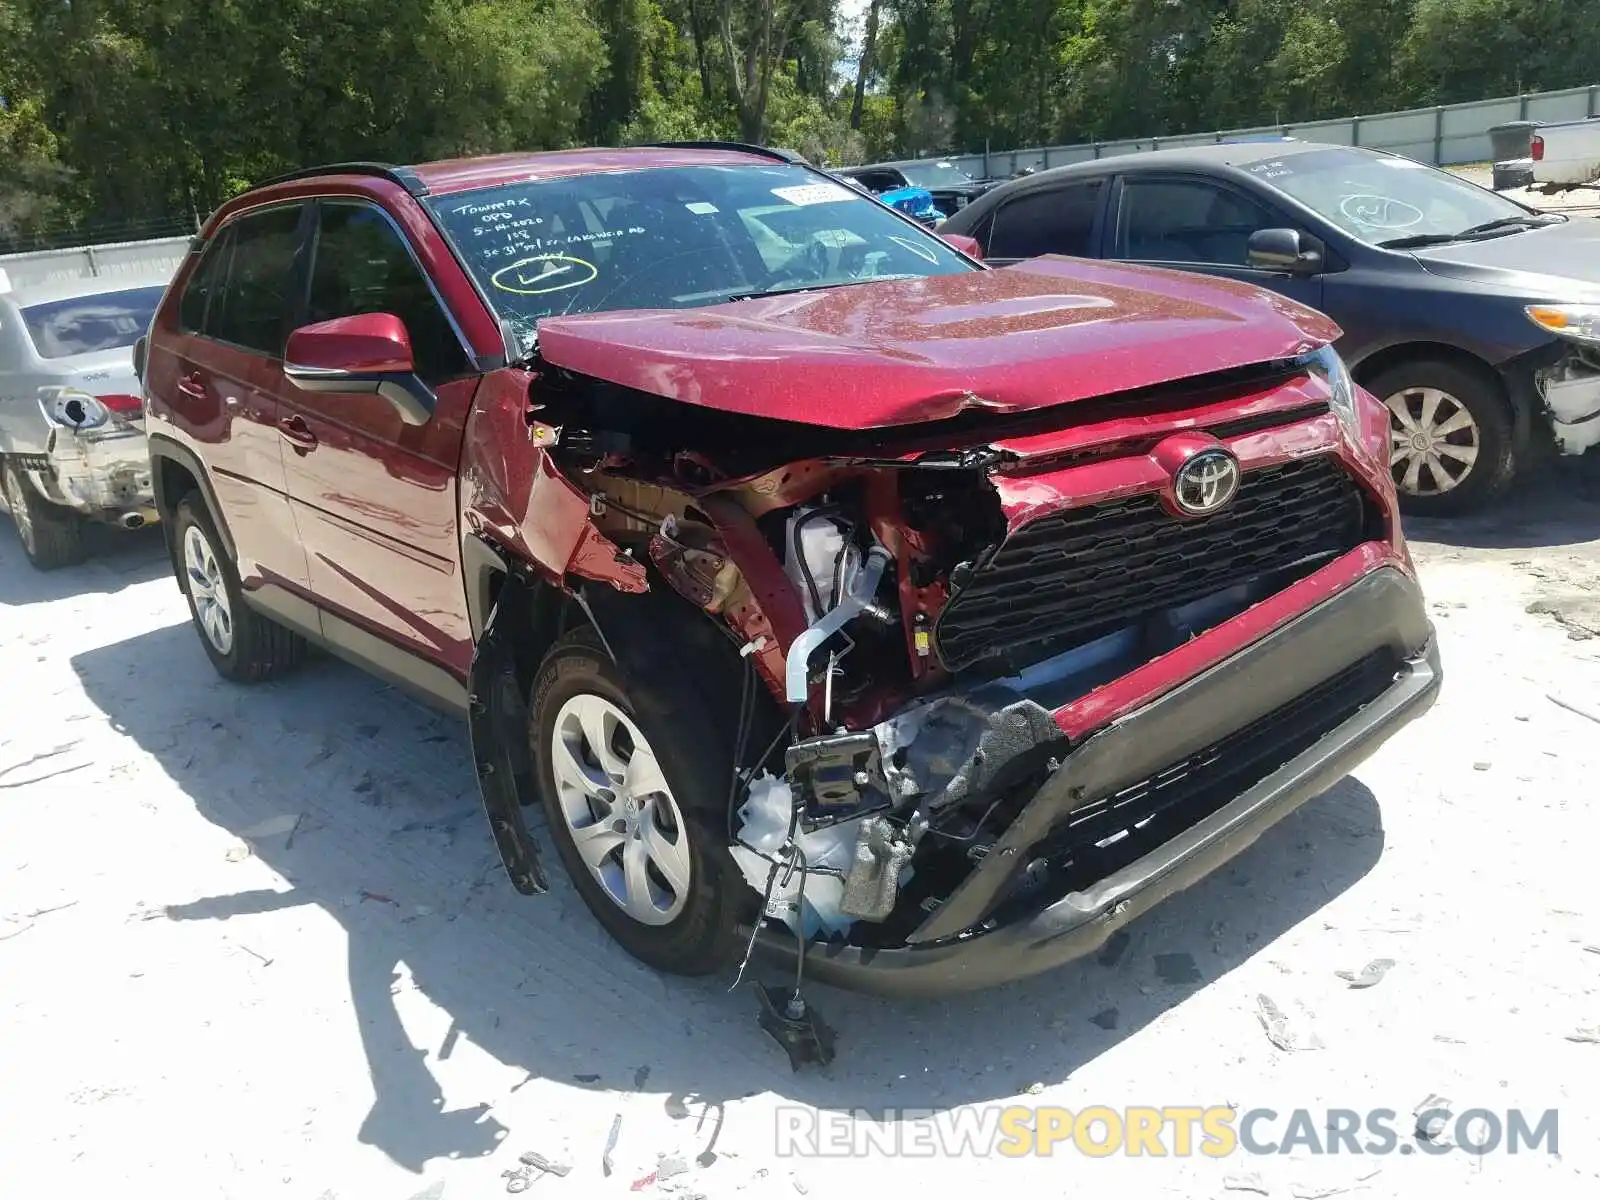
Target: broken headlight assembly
x=1329 y=366
x=1575 y=322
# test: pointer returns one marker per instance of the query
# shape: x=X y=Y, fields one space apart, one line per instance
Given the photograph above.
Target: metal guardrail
x=1444 y=135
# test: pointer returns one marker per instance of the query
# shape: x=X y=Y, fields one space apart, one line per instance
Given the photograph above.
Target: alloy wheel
x=619 y=811
x=1433 y=441
x=208 y=590
x=17 y=502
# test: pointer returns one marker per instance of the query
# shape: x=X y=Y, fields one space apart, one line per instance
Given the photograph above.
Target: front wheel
x=635 y=793
x=242 y=644
x=51 y=536
x=1452 y=446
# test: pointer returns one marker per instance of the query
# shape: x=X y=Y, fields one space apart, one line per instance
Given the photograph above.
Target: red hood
x=878 y=354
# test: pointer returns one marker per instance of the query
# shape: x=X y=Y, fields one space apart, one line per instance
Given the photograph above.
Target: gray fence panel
x=1447 y=136
x=87 y=262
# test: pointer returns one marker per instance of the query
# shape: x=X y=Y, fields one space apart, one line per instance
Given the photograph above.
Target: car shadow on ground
x=117 y=559
x=1558 y=506
x=391 y=843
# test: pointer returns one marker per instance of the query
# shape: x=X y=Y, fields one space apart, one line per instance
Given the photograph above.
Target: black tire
x=51 y=536
x=690 y=748
x=260 y=648
x=1480 y=393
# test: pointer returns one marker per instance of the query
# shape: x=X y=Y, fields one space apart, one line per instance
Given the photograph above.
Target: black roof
x=1225 y=154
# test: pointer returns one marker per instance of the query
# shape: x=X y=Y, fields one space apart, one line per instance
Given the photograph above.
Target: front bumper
x=1383 y=611
x=102 y=473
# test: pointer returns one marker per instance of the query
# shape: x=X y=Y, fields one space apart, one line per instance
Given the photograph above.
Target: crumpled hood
x=870 y=355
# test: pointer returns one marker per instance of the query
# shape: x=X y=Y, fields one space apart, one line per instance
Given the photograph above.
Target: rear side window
x=204 y=283
x=88 y=324
x=255 y=304
x=362 y=266
x=1057 y=220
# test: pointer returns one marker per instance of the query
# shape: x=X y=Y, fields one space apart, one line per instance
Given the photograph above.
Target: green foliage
x=129 y=109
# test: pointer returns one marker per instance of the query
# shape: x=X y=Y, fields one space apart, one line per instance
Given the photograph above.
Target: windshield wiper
x=814 y=287
x=1498 y=225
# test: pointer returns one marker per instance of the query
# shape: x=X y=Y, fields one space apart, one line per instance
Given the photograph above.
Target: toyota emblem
x=1206 y=482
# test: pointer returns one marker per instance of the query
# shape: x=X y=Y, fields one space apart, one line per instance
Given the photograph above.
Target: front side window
x=1057 y=220
x=1187 y=220
x=1380 y=198
x=88 y=324
x=255 y=304
x=360 y=265
x=678 y=237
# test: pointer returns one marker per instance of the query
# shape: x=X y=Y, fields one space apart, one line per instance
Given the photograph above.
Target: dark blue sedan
x=1475 y=319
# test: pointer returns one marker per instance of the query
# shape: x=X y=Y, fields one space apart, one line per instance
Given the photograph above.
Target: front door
x=375 y=498
x=1196 y=224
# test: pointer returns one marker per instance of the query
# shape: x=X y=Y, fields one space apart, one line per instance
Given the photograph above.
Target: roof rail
x=404 y=176
x=741 y=147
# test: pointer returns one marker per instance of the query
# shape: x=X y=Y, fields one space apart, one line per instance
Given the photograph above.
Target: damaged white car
x=72 y=443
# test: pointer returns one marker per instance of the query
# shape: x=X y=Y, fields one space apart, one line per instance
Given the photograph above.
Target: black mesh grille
x=1075 y=575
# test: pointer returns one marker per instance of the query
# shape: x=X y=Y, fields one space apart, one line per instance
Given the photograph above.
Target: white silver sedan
x=72 y=443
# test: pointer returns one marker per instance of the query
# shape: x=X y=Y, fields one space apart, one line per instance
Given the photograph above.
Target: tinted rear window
x=87 y=324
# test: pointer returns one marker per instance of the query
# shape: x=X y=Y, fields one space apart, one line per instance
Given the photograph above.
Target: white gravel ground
x=195 y=1003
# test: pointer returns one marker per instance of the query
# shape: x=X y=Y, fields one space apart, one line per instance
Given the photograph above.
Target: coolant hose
x=859 y=593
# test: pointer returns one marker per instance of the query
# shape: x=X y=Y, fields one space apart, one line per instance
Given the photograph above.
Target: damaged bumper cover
x=964 y=946
x=101 y=473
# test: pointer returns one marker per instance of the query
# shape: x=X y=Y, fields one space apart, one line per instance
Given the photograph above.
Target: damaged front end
x=946 y=619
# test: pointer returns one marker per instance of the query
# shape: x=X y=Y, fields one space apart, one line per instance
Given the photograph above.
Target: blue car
x=915 y=202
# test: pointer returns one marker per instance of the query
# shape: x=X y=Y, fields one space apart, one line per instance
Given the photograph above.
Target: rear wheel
x=51 y=536
x=242 y=644
x=1452 y=446
x=635 y=790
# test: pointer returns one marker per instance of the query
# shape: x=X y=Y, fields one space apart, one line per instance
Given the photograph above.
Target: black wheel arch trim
x=165 y=447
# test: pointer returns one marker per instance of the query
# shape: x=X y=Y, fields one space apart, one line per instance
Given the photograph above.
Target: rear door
x=1062 y=218
x=1194 y=223
x=374 y=498
x=233 y=318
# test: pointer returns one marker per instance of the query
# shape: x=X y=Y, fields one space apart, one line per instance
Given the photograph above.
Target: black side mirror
x=1287 y=251
x=140 y=351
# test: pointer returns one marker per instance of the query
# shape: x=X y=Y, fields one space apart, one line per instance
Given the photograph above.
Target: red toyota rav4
x=828 y=592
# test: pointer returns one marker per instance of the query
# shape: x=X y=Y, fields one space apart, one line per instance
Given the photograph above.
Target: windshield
x=1380 y=199
x=677 y=238
x=934 y=174
x=86 y=324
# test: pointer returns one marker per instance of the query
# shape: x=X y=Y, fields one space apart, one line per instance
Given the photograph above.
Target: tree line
x=130 y=111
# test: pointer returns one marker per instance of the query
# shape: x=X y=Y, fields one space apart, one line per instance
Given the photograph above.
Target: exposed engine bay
x=906 y=635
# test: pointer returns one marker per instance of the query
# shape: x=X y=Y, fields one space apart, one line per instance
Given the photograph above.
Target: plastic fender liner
x=497 y=720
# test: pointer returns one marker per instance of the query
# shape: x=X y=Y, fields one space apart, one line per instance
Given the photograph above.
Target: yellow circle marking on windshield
x=544 y=273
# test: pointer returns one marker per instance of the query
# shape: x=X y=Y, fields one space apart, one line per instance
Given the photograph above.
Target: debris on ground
x=643 y=1182
x=1034 y=1089
x=640 y=1077
x=547 y=1166
x=1246 y=1182
x=1572 y=708
x=1106 y=1018
x=238 y=852
x=1369 y=975
x=669 y=1165
x=380 y=898
x=1177 y=968
x=1279 y=1030
x=1589 y=1034
x=587 y=1078
x=611 y=1145
x=1303 y=1191
x=283 y=826
x=434 y=1191
x=1432 y=1116
x=1481 y=766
